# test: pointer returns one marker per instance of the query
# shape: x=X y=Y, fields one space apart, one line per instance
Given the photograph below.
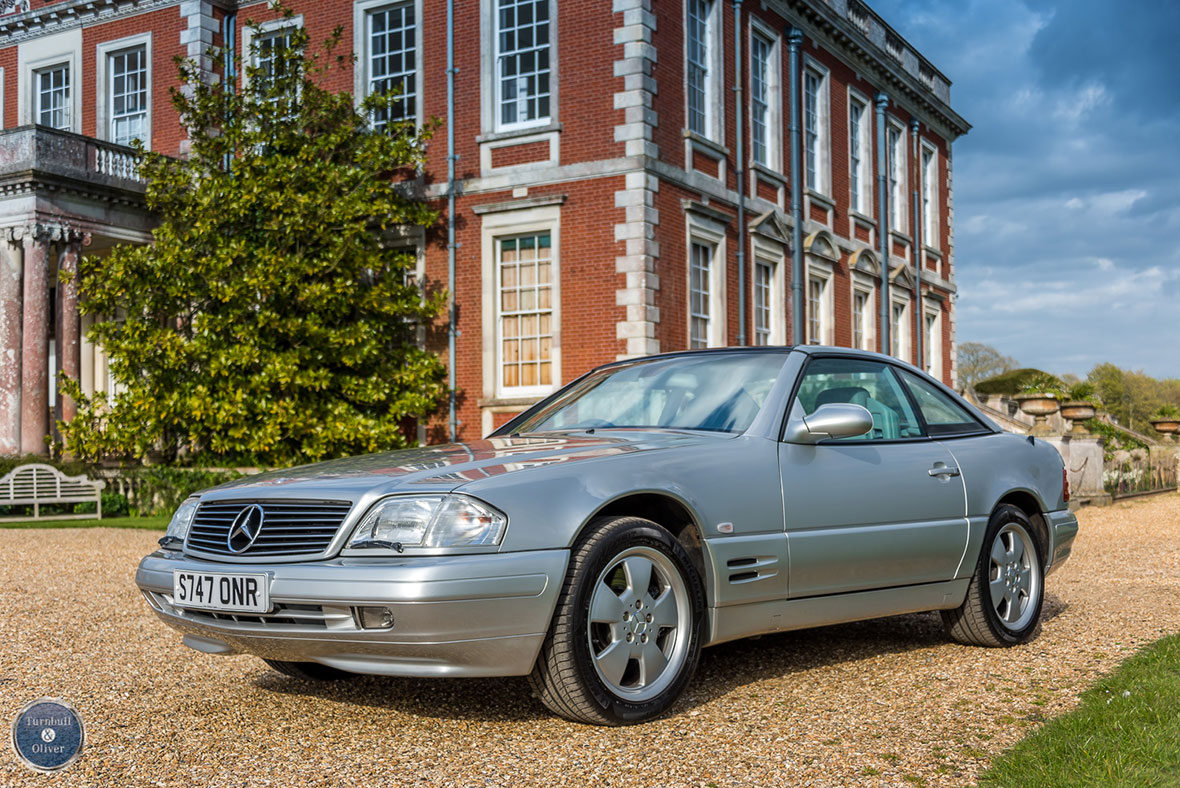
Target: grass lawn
x=158 y=523
x=1125 y=733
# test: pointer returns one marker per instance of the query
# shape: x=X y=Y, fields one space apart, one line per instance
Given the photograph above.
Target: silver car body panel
x=483 y=615
x=769 y=515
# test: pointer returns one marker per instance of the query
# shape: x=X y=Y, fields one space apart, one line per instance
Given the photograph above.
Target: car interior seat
x=885 y=424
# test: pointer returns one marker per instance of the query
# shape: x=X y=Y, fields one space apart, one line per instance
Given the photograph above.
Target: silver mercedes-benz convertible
x=651 y=507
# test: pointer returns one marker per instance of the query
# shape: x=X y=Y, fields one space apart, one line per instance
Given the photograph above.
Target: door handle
x=944 y=470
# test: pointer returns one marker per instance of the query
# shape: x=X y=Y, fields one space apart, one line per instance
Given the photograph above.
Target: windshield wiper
x=382 y=543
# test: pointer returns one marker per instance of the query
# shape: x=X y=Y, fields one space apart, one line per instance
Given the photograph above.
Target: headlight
x=182 y=518
x=430 y=521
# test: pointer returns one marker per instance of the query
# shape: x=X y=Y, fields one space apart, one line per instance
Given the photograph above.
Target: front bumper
x=473 y=615
x=1063 y=528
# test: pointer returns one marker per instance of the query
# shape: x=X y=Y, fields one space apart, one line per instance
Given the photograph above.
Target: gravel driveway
x=877 y=703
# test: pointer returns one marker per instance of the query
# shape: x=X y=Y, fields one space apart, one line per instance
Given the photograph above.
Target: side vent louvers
x=751 y=568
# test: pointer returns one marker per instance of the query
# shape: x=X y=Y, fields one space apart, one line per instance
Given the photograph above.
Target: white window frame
x=823 y=130
x=900 y=330
x=705 y=231
x=773 y=84
x=712 y=99
x=68 y=86
x=362 y=12
x=932 y=339
x=45 y=52
x=861 y=201
x=265 y=30
x=821 y=274
x=104 y=109
x=508 y=224
x=898 y=171
x=931 y=231
x=863 y=285
x=773 y=256
x=545 y=120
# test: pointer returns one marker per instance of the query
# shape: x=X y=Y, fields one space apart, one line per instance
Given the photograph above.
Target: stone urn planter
x=1040 y=406
x=1169 y=427
x=1076 y=412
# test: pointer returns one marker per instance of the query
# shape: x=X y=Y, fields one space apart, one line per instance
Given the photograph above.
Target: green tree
x=274 y=318
x=977 y=361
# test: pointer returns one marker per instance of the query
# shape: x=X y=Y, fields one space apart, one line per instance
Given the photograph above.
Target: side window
x=943 y=415
x=866 y=383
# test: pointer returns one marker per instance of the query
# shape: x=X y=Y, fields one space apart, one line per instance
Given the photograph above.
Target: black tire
x=568 y=676
x=309 y=671
x=983 y=620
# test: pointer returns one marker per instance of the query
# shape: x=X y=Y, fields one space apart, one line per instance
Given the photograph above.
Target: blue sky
x=1067 y=189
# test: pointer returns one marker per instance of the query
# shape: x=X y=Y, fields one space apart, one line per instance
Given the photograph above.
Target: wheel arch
x=666 y=509
x=1027 y=501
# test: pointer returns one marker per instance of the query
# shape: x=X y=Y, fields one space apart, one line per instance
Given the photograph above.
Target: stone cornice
x=57 y=17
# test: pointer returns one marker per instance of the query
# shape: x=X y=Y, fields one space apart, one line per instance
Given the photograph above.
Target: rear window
x=943 y=415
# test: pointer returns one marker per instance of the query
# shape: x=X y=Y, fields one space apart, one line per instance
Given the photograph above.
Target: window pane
x=943 y=415
x=53 y=97
x=525 y=271
x=393 y=63
x=697 y=55
x=127 y=99
x=523 y=39
x=760 y=51
x=866 y=383
x=700 y=262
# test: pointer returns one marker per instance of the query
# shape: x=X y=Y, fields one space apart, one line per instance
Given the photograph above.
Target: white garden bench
x=38 y=484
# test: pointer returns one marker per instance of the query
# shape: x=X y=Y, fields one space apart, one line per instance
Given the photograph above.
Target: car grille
x=288 y=528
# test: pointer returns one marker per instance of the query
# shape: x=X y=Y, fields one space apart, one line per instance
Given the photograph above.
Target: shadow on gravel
x=482 y=700
x=722 y=669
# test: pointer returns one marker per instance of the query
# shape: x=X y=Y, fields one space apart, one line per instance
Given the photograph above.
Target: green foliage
x=68 y=467
x=159 y=489
x=1117 y=439
x=978 y=362
x=1131 y=397
x=1049 y=385
x=113 y=505
x=1082 y=391
x=1166 y=411
x=273 y=319
x=1123 y=734
x=1011 y=382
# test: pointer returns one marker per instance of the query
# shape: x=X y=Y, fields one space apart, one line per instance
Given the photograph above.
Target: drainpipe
x=452 y=328
x=920 y=315
x=795 y=43
x=883 y=215
x=741 y=169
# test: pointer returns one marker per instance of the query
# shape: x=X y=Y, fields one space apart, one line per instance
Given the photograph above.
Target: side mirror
x=835 y=420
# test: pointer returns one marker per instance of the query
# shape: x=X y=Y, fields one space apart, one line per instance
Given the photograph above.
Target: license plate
x=236 y=593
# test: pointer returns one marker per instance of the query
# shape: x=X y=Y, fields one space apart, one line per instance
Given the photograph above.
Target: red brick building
x=624 y=181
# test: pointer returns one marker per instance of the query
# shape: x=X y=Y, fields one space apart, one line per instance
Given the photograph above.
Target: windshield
x=718 y=392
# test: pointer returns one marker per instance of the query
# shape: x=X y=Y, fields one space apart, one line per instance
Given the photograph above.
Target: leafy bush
x=1164 y=412
x=159 y=489
x=113 y=505
x=1012 y=382
x=1083 y=392
x=1117 y=439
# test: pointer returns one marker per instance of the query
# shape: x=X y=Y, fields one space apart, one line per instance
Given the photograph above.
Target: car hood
x=448 y=466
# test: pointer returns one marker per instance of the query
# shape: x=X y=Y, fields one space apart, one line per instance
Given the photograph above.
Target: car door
x=879 y=510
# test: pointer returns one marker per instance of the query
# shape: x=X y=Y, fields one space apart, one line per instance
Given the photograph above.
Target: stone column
x=34 y=416
x=69 y=358
x=11 y=308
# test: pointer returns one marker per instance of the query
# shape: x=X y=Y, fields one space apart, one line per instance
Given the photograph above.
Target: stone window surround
x=495 y=225
x=264 y=29
x=703 y=229
x=823 y=163
x=45 y=52
x=489 y=91
x=769 y=252
x=774 y=125
x=714 y=95
x=868 y=179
